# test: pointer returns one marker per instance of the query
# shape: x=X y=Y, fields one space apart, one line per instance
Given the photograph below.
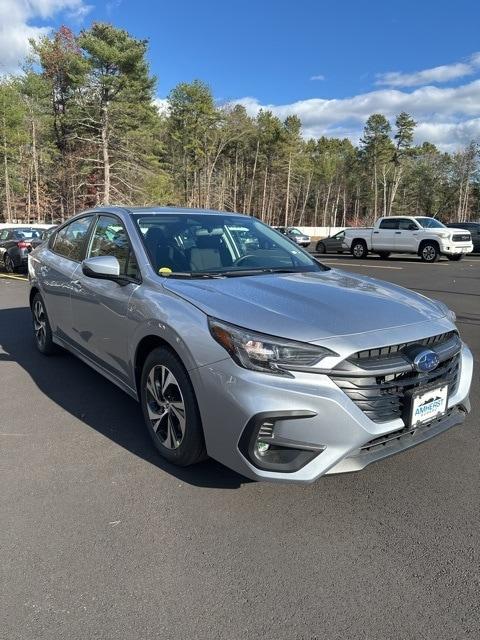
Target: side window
x=4 y=234
x=69 y=241
x=389 y=224
x=109 y=238
x=407 y=225
x=339 y=235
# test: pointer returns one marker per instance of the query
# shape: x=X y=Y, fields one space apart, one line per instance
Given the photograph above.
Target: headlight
x=260 y=352
x=446 y=310
x=444 y=234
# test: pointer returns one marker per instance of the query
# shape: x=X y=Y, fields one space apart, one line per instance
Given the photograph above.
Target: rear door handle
x=376 y=232
x=398 y=233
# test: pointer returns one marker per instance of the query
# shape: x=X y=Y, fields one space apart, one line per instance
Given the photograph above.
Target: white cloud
x=443 y=73
x=16 y=29
x=162 y=105
x=317 y=77
x=448 y=116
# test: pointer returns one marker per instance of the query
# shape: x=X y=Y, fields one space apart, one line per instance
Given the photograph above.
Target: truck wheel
x=384 y=254
x=456 y=257
x=321 y=247
x=429 y=252
x=359 y=249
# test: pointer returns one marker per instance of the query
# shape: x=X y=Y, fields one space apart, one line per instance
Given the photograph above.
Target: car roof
x=167 y=210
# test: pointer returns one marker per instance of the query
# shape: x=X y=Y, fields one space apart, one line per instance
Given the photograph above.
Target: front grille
x=384 y=352
x=384 y=395
x=461 y=237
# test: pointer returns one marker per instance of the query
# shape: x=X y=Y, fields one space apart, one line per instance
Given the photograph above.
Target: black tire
x=456 y=258
x=359 y=249
x=42 y=330
x=180 y=448
x=321 y=248
x=9 y=264
x=429 y=252
x=384 y=255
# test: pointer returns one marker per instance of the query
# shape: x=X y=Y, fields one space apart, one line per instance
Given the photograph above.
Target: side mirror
x=103 y=268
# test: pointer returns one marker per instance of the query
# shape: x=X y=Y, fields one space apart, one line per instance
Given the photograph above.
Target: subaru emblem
x=426 y=361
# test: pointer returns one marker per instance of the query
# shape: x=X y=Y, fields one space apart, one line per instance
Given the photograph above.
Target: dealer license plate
x=427 y=405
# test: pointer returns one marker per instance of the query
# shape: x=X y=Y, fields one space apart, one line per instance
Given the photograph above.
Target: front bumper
x=345 y=438
x=452 y=249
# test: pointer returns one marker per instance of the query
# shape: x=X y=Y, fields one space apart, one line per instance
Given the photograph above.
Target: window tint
x=407 y=225
x=110 y=239
x=389 y=224
x=4 y=234
x=339 y=235
x=69 y=240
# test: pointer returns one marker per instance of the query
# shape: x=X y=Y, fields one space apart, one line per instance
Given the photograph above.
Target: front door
x=100 y=323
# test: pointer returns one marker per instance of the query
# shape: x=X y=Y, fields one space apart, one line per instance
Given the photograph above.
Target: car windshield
x=295 y=232
x=430 y=223
x=212 y=245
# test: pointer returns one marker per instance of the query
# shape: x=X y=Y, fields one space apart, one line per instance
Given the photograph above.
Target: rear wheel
x=456 y=257
x=321 y=248
x=384 y=254
x=41 y=327
x=429 y=252
x=9 y=264
x=359 y=249
x=170 y=409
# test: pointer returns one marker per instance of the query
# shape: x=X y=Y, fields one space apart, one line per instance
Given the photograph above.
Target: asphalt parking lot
x=101 y=539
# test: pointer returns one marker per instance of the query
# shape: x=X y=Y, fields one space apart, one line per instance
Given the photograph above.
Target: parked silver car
x=241 y=346
x=295 y=235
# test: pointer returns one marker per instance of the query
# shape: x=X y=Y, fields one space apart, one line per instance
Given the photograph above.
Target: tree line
x=80 y=127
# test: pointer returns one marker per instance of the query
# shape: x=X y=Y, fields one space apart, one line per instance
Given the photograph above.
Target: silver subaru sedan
x=240 y=346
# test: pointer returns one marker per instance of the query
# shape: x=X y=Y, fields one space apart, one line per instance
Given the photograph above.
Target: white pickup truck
x=420 y=235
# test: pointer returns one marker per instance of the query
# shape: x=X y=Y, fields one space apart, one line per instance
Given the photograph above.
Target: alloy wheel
x=9 y=266
x=165 y=407
x=39 y=323
x=429 y=253
x=358 y=250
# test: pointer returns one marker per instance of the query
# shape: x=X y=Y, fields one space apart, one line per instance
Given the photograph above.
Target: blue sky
x=329 y=62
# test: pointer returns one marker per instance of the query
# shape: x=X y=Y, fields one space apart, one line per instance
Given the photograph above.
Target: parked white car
x=420 y=235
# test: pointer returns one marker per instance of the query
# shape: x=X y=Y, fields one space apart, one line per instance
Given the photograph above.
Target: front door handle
x=397 y=233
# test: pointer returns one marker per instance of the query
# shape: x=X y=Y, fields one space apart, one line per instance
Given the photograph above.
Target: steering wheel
x=240 y=260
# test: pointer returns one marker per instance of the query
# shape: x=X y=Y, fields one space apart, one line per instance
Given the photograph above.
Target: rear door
x=100 y=325
x=383 y=237
x=407 y=236
x=58 y=262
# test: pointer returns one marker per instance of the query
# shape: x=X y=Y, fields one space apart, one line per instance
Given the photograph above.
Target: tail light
x=24 y=245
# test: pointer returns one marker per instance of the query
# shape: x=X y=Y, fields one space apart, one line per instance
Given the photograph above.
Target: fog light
x=262 y=447
x=265 y=449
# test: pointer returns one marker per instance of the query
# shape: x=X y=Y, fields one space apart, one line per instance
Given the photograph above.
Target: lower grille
x=385 y=397
x=405 y=433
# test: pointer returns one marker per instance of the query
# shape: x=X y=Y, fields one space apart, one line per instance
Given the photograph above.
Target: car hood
x=455 y=230
x=307 y=306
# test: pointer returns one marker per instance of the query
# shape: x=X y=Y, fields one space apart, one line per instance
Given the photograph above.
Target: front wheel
x=170 y=409
x=359 y=249
x=456 y=257
x=429 y=252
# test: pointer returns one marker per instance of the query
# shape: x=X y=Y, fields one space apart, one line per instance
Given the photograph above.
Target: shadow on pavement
x=89 y=397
